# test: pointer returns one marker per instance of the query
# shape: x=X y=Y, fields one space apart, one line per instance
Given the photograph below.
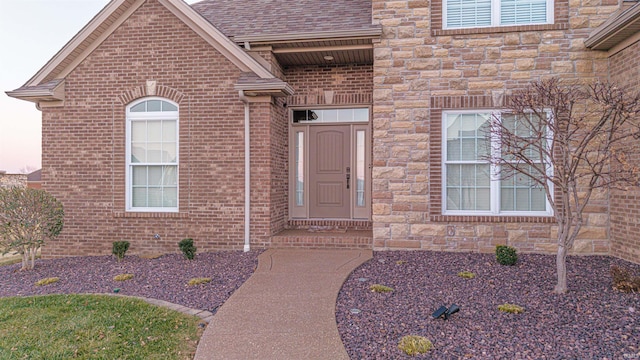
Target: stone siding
x=421 y=70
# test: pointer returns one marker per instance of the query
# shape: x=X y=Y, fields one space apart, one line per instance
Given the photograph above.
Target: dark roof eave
x=611 y=33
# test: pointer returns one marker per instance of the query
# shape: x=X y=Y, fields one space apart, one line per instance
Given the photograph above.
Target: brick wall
x=421 y=70
x=279 y=142
x=351 y=85
x=625 y=212
x=84 y=143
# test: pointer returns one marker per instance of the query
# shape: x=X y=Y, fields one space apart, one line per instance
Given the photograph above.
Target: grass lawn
x=93 y=327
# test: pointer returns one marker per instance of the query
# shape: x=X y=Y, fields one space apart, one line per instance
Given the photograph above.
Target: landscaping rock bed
x=591 y=321
x=163 y=278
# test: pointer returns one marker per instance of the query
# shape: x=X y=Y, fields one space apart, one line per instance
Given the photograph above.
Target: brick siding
x=624 y=210
x=84 y=143
x=351 y=85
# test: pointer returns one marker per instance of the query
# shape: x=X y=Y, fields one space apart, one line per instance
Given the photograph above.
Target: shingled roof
x=263 y=17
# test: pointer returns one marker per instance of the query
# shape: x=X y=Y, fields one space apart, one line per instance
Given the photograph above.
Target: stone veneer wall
x=625 y=209
x=421 y=70
x=10 y=180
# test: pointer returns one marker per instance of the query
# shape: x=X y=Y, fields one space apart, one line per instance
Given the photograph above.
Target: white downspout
x=247 y=174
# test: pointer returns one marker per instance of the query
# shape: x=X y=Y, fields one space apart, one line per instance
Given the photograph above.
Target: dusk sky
x=31 y=33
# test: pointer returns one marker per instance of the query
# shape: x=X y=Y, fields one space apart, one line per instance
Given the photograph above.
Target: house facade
x=312 y=123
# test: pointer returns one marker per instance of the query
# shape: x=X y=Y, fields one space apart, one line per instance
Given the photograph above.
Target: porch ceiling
x=315 y=51
x=362 y=56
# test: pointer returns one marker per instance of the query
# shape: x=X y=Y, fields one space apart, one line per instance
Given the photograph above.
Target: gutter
x=598 y=38
x=247 y=173
x=320 y=35
x=283 y=87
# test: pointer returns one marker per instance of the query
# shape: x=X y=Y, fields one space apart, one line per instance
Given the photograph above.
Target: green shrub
x=119 y=249
x=623 y=280
x=123 y=277
x=198 y=281
x=47 y=281
x=511 y=308
x=380 y=288
x=187 y=248
x=414 y=344
x=506 y=255
x=466 y=274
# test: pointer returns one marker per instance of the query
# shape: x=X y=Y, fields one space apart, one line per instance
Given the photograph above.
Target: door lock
x=348 y=176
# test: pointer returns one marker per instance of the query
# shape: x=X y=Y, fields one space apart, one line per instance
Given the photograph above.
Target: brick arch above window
x=151 y=89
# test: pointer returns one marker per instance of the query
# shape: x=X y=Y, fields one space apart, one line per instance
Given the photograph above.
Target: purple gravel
x=164 y=278
x=592 y=321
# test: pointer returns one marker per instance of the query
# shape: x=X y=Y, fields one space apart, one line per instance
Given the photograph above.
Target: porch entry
x=330 y=158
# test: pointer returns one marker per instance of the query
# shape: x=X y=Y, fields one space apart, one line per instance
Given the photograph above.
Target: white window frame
x=145 y=116
x=494 y=171
x=496 y=15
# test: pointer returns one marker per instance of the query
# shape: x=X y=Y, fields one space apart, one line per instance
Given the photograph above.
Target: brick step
x=329 y=239
x=327 y=225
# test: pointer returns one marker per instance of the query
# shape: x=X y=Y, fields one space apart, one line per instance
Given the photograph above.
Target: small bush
x=119 y=249
x=414 y=344
x=511 y=308
x=466 y=274
x=380 y=288
x=623 y=280
x=198 y=281
x=123 y=277
x=401 y=262
x=47 y=281
x=506 y=255
x=187 y=248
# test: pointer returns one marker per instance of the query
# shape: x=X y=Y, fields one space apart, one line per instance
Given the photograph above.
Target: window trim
x=145 y=116
x=495 y=17
x=493 y=171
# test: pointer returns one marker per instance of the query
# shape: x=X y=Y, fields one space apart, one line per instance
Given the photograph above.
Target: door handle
x=348 y=176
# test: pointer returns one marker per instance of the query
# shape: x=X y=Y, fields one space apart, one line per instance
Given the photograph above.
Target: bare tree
x=570 y=141
x=28 y=169
x=28 y=218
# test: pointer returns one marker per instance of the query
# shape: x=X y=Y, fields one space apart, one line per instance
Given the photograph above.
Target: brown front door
x=329 y=172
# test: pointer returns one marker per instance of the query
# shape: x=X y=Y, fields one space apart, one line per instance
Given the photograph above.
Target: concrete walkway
x=286 y=310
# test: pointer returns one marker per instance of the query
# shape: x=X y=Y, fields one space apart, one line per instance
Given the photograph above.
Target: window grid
x=152 y=156
x=479 y=192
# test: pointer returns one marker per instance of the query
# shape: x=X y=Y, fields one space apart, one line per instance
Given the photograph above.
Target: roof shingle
x=264 y=17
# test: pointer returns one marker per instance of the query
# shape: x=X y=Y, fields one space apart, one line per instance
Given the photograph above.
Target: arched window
x=152 y=155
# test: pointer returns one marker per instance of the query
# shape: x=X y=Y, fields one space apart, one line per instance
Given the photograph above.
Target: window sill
x=500 y=29
x=542 y=219
x=165 y=215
